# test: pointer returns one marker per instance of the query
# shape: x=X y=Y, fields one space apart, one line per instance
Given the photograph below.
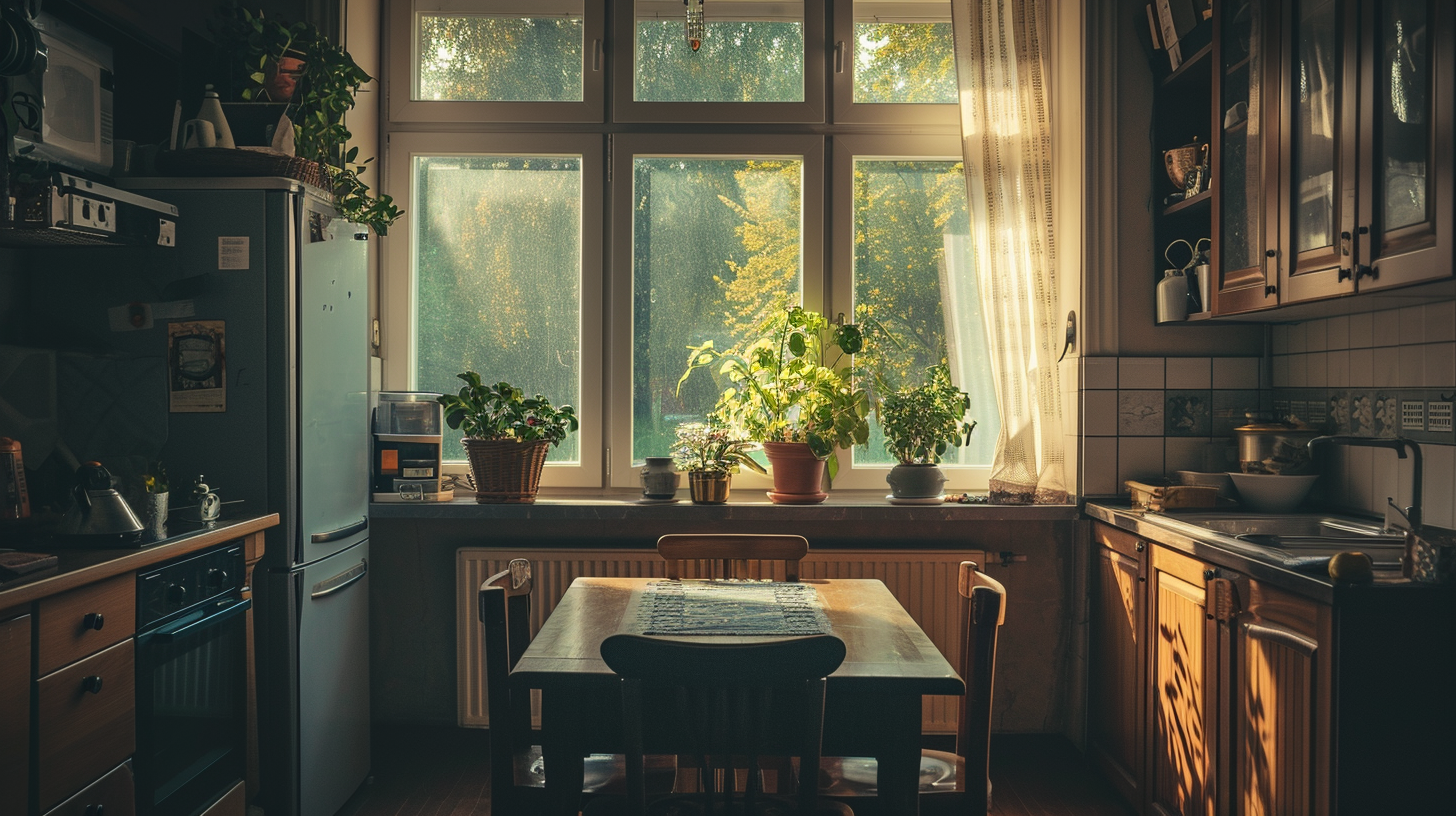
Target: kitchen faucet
x=1408 y=519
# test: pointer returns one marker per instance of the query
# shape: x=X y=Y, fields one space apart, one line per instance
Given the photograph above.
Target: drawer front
x=84 y=728
x=84 y=621
x=232 y=803
x=113 y=795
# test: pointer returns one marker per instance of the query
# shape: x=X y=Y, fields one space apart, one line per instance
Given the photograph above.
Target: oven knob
x=176 y=594
x=217 y=578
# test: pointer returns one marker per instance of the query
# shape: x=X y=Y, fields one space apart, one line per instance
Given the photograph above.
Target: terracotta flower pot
x=797 y=473
x=505 y=471
x=280 y=78
x=709 y=488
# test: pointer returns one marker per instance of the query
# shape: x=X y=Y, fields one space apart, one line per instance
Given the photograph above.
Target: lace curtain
x=1006 y=140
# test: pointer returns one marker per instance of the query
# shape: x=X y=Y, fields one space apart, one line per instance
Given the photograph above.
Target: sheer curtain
x=1006 y=140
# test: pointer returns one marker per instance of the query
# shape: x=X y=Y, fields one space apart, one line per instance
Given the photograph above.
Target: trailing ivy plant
x=324 y=93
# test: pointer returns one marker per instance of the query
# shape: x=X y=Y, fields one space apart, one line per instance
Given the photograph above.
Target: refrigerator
x=273 y=268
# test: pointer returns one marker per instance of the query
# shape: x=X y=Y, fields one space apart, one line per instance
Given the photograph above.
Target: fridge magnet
x=196 y=367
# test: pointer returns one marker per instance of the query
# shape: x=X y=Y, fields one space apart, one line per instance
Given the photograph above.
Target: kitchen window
x=894 y=62
x=676 y=221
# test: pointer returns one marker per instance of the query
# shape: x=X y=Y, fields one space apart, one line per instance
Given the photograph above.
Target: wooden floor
x=443 y=772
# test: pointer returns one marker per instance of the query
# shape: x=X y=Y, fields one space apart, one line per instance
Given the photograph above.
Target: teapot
x=98 y=509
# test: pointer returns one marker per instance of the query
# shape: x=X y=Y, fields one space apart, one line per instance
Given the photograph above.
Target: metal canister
x=14 y=497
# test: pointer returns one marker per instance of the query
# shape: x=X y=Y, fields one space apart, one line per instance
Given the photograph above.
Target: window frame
x=398 y=306
x=846 y=149
x=627 y=110
x=625 y=148
x=402 y=107
x=847 y=111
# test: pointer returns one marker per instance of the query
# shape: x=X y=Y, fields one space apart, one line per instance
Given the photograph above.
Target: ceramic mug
x=198 y=133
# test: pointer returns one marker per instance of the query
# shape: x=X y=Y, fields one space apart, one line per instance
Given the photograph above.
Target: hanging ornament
x=695 y=26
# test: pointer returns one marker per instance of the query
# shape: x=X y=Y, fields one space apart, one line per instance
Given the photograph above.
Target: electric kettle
x=99 y=511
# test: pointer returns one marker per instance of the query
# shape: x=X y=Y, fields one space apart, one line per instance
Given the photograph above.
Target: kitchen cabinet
x=1115 y=723
x=1329 y=176
x=14 y=714
x=1260 y=699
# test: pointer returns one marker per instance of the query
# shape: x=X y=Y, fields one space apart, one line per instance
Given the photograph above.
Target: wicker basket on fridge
x=506 y=471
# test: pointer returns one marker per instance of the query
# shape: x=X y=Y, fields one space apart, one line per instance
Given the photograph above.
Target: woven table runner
x=731 y=608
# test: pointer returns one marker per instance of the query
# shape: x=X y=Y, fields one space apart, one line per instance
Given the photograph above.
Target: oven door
x=192 y=690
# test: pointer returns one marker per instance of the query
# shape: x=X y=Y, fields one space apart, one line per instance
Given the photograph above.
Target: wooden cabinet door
x=14 y=714
x=1318 y=76
x=1117 y=686
x=1183 y=708
x=1246 y=157
x=1408 y=92
x=1281 y=705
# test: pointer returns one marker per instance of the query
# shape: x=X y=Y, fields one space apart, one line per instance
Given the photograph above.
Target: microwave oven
x=62 y=104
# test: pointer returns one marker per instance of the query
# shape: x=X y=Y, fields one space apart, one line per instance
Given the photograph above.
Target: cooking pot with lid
x=1275 y=448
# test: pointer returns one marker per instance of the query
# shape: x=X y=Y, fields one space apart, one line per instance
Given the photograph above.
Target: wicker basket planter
x=505 y=471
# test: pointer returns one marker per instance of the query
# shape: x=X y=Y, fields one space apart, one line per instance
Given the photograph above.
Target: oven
x=191 y=683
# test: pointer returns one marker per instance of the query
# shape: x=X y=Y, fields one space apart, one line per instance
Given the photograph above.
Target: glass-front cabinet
x=1331 y=175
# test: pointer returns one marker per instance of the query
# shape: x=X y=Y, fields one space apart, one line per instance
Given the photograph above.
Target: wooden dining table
x=872 y=705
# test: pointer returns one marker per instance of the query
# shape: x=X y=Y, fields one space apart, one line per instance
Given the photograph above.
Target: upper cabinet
x=1330 y=178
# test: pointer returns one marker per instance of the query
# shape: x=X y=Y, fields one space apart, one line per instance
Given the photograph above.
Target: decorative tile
x=1362 y=330
x=1140 y=372
x=1139 y=458
x=1229 y=408
x=1362 y=414
x=1386 y=406
x=1140 y=413
x=1099 y=413
x=1337 y=413
x=1187 y=413
x=1188 y=372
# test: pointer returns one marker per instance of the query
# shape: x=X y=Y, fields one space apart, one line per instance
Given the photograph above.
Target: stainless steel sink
x=1295 y=540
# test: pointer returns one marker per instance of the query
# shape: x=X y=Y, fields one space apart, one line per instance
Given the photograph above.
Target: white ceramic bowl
x=1270 y=493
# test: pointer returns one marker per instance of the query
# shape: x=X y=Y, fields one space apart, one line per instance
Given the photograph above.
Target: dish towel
x=731 y=608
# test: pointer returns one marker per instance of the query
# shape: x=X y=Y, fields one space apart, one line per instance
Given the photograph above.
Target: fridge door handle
x=342 y=532
x=339 y=582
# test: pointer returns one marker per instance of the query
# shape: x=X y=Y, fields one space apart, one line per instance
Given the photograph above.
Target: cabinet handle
x=839 y=57
x=1363 y=271
x=1365 y=230
x=1271 y=291
x=92 y=684
x=1344 y=274
x=1140 y=546
x=1269 y=253
x=1210 y=574
x=93 y=620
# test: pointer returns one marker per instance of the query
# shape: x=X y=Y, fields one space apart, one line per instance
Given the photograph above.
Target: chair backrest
x=716 y=700
x=732 y=556
x=982 y=611
x=505 y=611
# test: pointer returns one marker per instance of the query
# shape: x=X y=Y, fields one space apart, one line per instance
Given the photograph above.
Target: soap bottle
x=1172 y=297
x=211 y=111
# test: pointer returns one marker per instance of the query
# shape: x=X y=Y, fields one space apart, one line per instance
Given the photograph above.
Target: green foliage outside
x=739 y=61
x=471 y=58
x=904 y=63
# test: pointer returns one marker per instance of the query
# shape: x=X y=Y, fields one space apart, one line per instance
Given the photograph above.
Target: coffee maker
x=408 y=432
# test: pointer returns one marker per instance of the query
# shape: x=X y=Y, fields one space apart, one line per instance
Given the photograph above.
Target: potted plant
x=711 y=453
x=785 y=393
x=270 y=60
x=920 y=423
x=506 y=436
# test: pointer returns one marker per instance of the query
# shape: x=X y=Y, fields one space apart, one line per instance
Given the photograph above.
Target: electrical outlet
x=1412 y=415
x=1438 y=416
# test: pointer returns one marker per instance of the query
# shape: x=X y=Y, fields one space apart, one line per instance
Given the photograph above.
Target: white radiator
x=924 y=581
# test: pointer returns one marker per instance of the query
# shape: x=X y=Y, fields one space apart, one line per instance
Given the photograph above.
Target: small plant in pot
x=785 y=392
x=506 y=436
x=921 y=423
x=711 y=453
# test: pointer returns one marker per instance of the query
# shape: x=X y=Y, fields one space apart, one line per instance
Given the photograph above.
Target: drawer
x=112 y=795
x=86 y=722
x=232 y=803
x=84 y=621
x=14 y=714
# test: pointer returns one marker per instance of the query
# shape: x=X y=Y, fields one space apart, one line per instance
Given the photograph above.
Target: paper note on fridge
x=232 y=252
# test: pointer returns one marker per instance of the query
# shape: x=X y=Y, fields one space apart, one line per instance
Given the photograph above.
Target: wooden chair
x=982 y=611
x=729 y=705
x=517 y=775
x=732 y=556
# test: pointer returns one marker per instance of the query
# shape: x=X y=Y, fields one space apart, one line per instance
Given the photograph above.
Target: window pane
x=715 y=250
x=904 y=53
x=494 y=55
x=498 y=276
x=752 y=52
x=911 y=245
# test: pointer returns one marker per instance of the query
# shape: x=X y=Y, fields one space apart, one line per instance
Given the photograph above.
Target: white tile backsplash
x=1099 y=466
x=1140 y=372
x=1361 y=368
x=1183 y=453
x=1387 y=328
x=1279 y=336
x=1412 y=325
x=1316 y=373
x=1337 y=368
x=1337 y=332
x=1362 y=331
x=1099 y=372
x=1440 y=320
x=1439 y=485
x=1140 y=458
x=1189 y=372
x=1236 y=372
x=1440 y=365
x=1386 y=369
x=1296 y=338
x=1410 y=366
x=1314 y=335
x=1099 y=414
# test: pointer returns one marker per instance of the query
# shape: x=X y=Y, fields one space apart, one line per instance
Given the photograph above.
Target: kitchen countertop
x=81 y=565
x=1316 y=586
